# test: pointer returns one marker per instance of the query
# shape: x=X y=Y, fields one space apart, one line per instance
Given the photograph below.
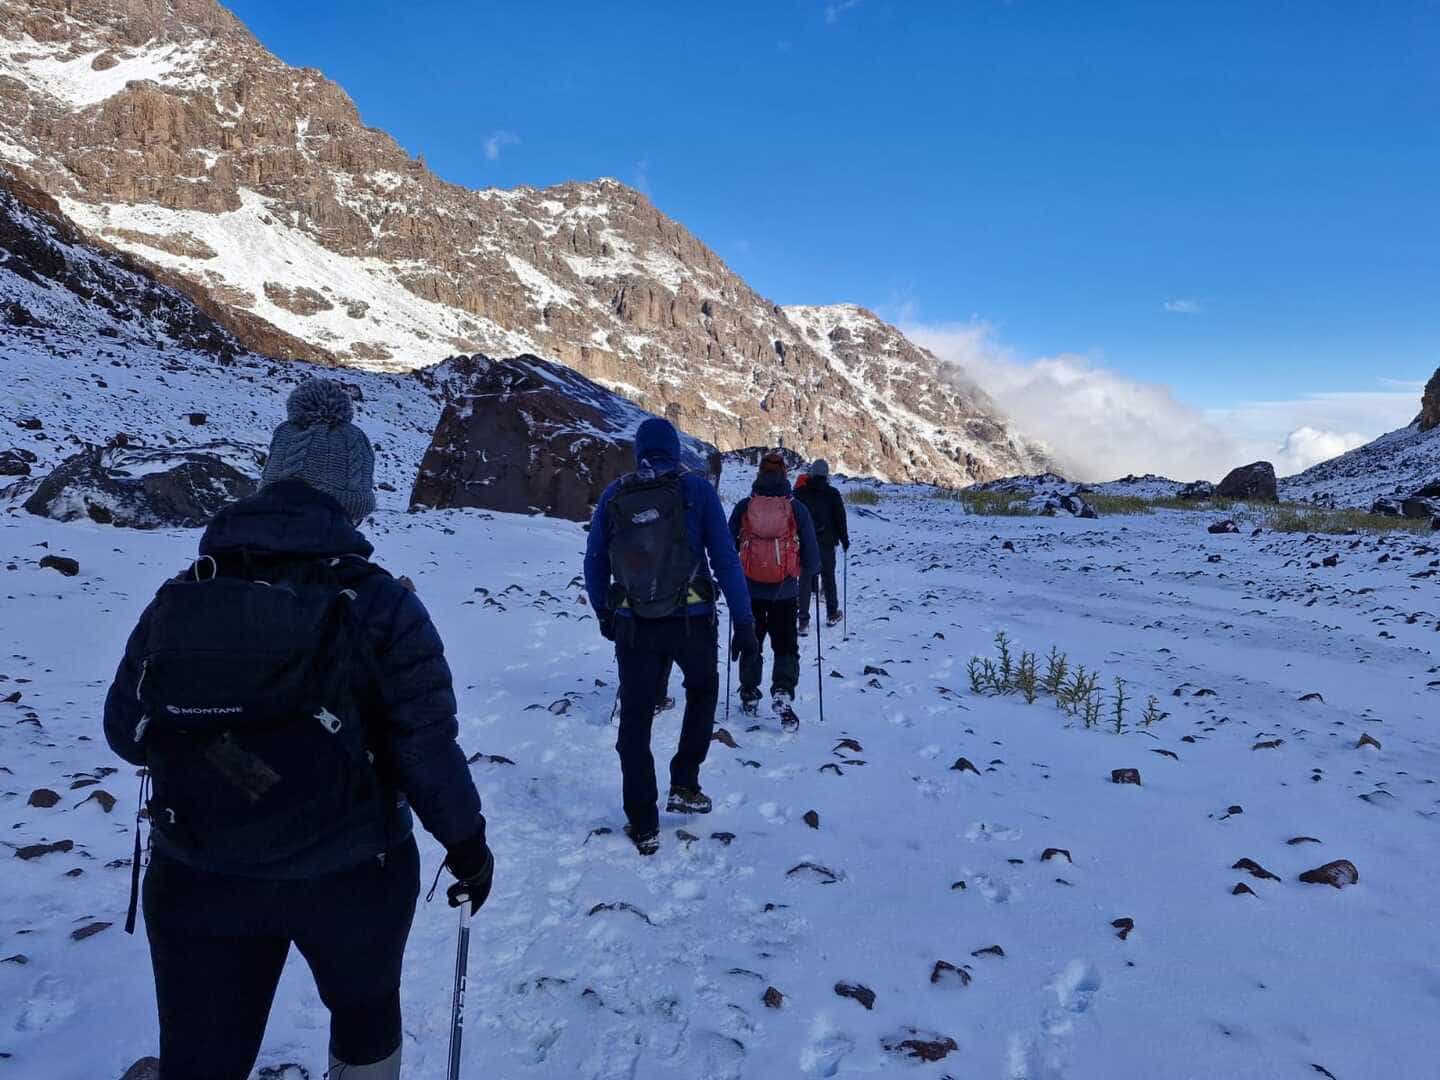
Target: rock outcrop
x=1250 y=483
x=258 y=189
x=1429 y=418
x=530 y=436
x=142 y=488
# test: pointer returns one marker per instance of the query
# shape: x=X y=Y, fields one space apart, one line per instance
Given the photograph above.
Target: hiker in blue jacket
x=658 y=543
x=222 y=914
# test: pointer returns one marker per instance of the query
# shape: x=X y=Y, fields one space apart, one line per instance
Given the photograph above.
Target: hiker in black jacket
x=222 y=909
x=827 y=511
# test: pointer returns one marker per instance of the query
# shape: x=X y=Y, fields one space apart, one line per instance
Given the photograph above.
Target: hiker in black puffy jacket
x=827 y=511
x=219 y=932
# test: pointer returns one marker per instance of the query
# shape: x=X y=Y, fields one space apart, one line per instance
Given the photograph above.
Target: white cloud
x=1182 y=306
x=497 y=142
x=834 y=11
x=1101 y=424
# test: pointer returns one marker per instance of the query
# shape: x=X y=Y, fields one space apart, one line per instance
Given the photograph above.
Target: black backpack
x=252 y=690
x=651 y=563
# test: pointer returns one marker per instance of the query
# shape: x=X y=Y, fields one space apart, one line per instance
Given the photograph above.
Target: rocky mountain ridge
x=164 y=128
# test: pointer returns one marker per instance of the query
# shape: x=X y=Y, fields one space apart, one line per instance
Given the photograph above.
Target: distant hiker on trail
x=653 y=591
x=776 y=541
x=291 y=702
x=827 y=511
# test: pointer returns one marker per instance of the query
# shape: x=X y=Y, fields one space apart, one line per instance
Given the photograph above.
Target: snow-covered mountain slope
x=913 y=861
x=166 y=129
x=890 y=373
x=1397 y=464
x=92 y=348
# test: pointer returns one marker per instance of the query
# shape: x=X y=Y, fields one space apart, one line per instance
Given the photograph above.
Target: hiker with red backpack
x=657 y=547
x=776 y=540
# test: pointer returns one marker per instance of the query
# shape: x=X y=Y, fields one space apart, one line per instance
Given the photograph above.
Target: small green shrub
x=864 y=496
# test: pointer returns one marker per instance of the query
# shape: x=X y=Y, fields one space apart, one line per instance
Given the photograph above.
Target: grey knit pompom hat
x=319 y=445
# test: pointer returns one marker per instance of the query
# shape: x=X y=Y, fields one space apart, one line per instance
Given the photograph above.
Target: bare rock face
x=216 y=158
x=141 y=488
x=1253 y=483
x=533 y=436
x=1429 y=418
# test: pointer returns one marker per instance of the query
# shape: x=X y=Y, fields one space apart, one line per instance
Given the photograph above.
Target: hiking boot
x=646 y=841
x=782 y=704
x=750 y=702
x=834 y=618
x=665 y=706
x=803 y=628
x=688 y=800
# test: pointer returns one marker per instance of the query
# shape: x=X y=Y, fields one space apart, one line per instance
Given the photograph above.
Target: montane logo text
x=204 y=710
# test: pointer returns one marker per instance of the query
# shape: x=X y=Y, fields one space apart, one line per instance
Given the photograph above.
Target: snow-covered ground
x=1228 y=632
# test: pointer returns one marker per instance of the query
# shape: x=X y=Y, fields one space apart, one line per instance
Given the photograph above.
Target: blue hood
x=287 y=518
x=657 y=446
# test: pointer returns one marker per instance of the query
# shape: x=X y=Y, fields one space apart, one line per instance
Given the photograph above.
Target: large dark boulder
x=147 y=488
x=1250 y=483
x=1420 y=509
x=530 y=436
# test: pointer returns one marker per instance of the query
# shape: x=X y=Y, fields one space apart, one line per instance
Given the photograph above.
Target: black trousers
x=644 y=649
x=218 y=945
x=827 y=578
x=774 y=619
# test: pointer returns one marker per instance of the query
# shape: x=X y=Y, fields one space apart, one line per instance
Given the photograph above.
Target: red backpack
x=769 y=540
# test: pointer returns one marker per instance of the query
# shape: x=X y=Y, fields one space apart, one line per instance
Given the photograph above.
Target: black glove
x=474 y=870
x=743 y=642
x=607 y=624
x=845 y=543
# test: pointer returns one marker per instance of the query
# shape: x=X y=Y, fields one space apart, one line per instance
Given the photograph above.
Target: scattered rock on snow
x=89 y=930
x=920 y=1045
x=1268 y=744
x=35 y=851
x=1339 y=873
x=1241 y=889
x=61 y=564
x=1123 y=926
x=621 y=905
x=815 y=871
x=1254 y=869
x=44 y=798
x=1125 y=776
x=812 y=819
x=990 y=950
x=772 y=998
x=102 y=797
x=1051 y=852
x=1226 y=526
x=724 y=738
x=1367 y=740
x=1301 y=840
x=964 y=764
x=863 y=994
x=944 y=971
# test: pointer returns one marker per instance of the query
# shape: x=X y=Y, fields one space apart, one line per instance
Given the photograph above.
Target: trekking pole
x=457 y=1004
x=845 y=611
x=819 y=661
x=728 y=662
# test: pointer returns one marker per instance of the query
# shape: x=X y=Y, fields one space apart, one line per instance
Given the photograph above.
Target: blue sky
x=1233 y=200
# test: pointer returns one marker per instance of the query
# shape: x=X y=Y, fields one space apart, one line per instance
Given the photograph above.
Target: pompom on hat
x=319 y=445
